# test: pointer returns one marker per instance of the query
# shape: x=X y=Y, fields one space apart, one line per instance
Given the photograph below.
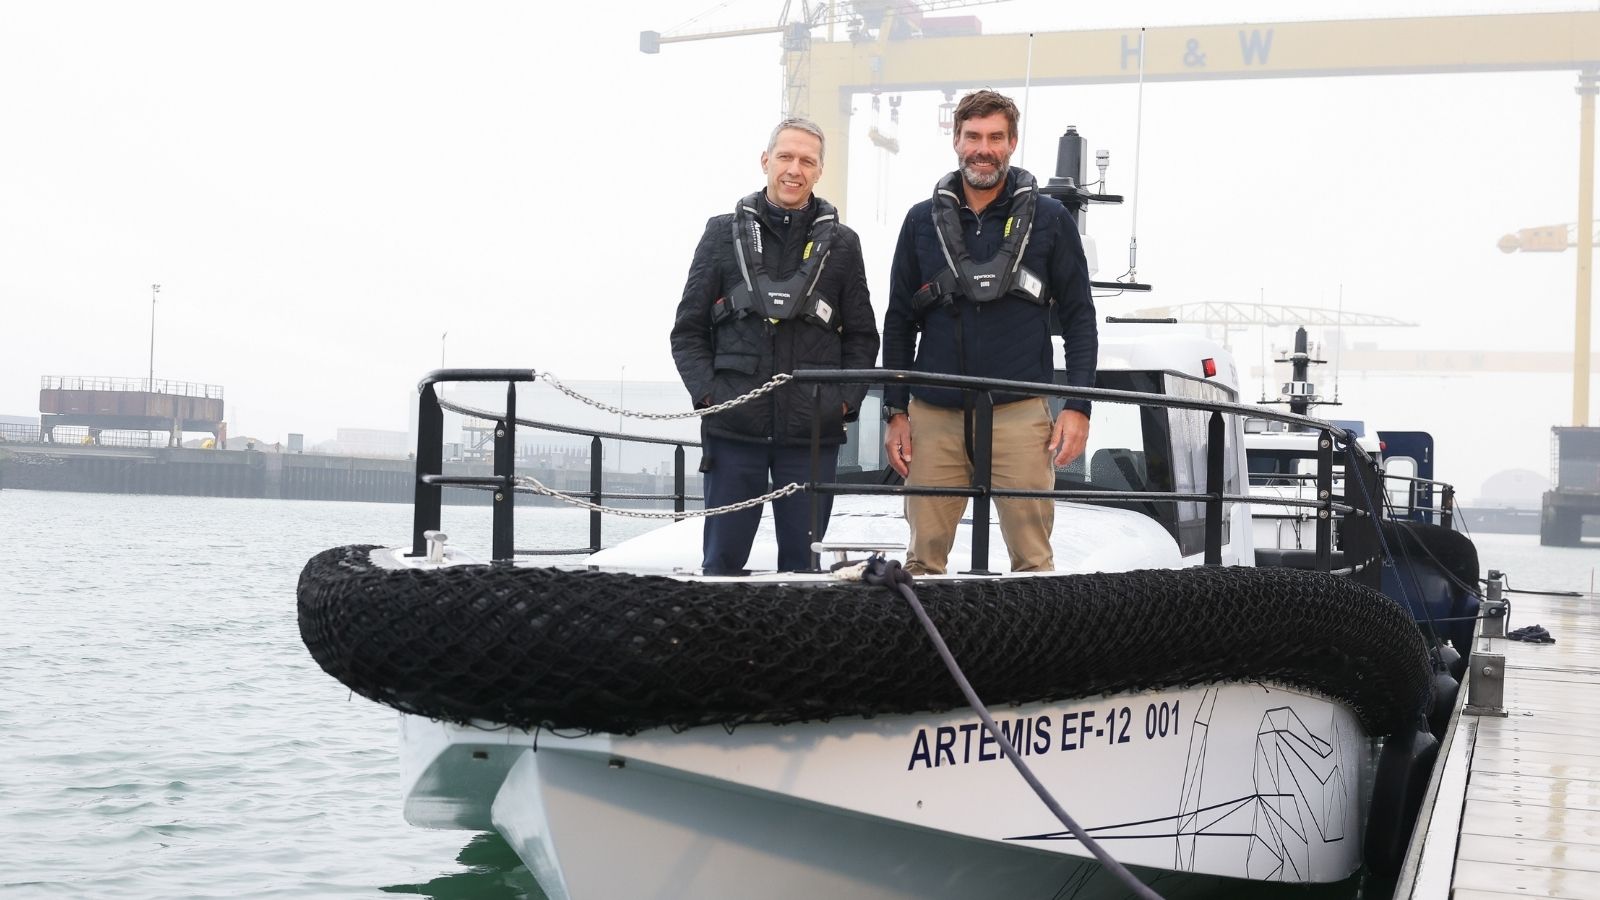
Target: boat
x=1429 y=567
x=1161 y=712
x=1284 y=460
x=635 y=728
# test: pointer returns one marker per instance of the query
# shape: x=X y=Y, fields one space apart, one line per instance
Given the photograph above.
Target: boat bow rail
x=1331 y=439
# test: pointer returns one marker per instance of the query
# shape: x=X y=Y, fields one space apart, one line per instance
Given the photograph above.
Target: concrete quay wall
x=270 y=475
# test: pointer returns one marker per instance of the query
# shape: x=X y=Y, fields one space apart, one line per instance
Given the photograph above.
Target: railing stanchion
x=505 y=469
x=1424 y=498
x=1215 y=443
x=1325 y=497
x=595 y=495
x=679 y=483
x=430 y=461
x=815 y=534
x=1447 y=506
x=982 y=479
x=1358 y=539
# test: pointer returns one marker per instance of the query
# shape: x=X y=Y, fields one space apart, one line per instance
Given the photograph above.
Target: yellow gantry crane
x=1583 y=235
x=889 y=46
x=1557 y=239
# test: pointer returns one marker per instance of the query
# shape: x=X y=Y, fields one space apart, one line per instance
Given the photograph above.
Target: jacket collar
x=1002 y=202
x=775 y=217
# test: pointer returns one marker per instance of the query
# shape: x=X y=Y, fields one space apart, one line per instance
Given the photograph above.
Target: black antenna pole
x=1299 y=402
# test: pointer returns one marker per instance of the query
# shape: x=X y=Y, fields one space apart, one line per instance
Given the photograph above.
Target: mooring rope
x=889 y=573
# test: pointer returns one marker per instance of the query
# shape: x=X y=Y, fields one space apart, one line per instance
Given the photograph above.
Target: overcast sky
x=324 y=189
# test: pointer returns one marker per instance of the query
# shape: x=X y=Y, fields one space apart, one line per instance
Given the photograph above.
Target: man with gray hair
x=775 y=286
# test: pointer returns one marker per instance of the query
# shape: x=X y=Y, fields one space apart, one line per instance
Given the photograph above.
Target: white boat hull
x=1232 y=781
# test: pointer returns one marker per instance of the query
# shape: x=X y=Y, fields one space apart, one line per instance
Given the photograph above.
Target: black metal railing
x=1419 y=495
x=426 y=514
x=983 y=493
x=1419 y=499
x=431 y=480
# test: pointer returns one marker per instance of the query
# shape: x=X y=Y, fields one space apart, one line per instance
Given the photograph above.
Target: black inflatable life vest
x=795 y=297
x=964 y=279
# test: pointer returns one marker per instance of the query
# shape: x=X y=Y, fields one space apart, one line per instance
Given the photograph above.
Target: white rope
x=856 y=572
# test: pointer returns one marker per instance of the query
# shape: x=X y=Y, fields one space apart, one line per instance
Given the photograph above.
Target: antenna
x=1338 y=349
x=1027 y=81
x=1138 y=143
x=1261 y=305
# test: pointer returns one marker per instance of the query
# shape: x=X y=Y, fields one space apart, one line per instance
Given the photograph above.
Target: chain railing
x=529 y=484
x=773 y=384
x=505 y=482
x=533 y=485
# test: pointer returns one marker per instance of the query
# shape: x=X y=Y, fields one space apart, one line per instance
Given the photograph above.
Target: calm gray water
x=163 y=732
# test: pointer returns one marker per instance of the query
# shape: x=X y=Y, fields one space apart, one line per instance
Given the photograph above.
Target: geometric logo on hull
x=1298 y=800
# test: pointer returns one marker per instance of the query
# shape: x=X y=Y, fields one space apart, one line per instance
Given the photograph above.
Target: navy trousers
x=741 y=470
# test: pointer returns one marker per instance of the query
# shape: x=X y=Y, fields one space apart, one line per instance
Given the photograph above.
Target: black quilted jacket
x=719 y=363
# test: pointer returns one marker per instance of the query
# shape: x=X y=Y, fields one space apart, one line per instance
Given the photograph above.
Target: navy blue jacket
x=1004 y=338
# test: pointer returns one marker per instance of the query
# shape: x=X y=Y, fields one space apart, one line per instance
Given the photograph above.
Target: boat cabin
x=1130 y=448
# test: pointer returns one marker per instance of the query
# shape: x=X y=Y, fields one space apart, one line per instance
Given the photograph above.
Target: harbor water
x=163 y=732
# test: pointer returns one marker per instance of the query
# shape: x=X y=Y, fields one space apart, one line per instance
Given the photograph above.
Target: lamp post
x=441 y=348
x=622 y=398
x=150 y=381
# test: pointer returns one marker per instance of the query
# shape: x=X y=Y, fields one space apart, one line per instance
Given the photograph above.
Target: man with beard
x=982 y=312
x=776 y=286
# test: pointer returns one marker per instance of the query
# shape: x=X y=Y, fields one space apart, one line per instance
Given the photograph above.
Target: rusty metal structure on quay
x=130 y=404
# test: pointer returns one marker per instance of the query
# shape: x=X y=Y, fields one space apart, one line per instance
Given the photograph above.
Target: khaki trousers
x=1021 y=460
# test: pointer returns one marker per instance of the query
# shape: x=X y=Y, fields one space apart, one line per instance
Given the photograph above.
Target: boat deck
x=1515 y=809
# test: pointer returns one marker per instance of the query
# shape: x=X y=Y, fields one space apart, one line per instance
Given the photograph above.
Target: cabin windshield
x=1188 y=441
x=1153 y=449
x=1121 y=436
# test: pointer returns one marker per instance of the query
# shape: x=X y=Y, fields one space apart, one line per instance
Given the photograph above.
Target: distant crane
x=1227 y=314
x=1545 y=239
x=863 y=20
x=1230 y=317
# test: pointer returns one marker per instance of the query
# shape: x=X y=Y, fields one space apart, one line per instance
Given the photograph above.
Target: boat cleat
x=841 y=550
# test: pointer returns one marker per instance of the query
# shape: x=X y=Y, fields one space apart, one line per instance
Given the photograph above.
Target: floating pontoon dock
x=1514 y=811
